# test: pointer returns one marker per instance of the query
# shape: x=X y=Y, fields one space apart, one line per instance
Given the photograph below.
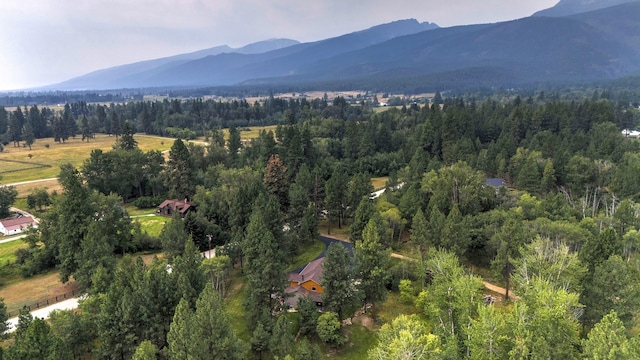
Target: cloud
x=47 y=41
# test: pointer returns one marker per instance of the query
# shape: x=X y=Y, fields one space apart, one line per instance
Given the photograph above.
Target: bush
x=329 y=329
x=146 y=202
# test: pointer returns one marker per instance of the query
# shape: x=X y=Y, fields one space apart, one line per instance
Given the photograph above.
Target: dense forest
x=563 y=235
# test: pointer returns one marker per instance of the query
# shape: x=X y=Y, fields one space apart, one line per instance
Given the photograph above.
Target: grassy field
x=19 y=164
x=152 y=225
x=248 y=133
x=35 y=289
x=379 y=182
x=309 y=254
x=8 y=251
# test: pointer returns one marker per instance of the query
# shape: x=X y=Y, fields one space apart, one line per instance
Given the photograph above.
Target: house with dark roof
x=496 y=182
x=306 y=283
x=169 y=207
x=16 y=225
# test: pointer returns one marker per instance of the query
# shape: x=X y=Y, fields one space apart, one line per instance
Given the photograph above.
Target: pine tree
x=337 y=280
x=180 y=332
x=372 y=259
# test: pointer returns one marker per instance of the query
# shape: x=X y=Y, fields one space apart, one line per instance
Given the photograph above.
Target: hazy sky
x=48 y=41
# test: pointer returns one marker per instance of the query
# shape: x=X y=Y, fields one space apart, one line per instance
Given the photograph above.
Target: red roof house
x=169 y=207
x=16 y=225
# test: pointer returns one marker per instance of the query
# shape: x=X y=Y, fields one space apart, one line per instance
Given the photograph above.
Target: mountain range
x=574 y=41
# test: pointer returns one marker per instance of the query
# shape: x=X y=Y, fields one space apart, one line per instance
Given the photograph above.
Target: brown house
x=306 y=283
x=169 y=207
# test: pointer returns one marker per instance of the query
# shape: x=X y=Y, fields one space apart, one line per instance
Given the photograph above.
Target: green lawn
x=310 y=253
x=152 y=225
x=236 y=294
x=359 y=341
x=8 y=251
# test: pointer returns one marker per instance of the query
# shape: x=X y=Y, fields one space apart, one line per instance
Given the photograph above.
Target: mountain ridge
x=596 y=45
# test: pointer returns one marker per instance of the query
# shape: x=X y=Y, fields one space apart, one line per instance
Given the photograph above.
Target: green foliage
x=406 y=337
x=265 y=263
x=407 y=291
x=8 y=195
x=173 y=237
x=543 y=324
x=4 y=317
x=338 y=281
x=451 y=300
x=488 y=337
x=329 y=329
x=608 y=340
x=179 y=175
x=145 y=351
x=371 y=262
x=308 y=316
x=612 y=286
x=281 y=343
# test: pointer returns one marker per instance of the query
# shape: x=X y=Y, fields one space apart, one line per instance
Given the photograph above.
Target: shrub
x=146 y=202
x=329 y=329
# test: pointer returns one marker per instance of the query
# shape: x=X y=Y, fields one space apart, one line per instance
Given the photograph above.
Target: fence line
x=44 y=303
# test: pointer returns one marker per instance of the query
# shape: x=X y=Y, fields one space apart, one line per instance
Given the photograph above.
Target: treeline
x=566 y=224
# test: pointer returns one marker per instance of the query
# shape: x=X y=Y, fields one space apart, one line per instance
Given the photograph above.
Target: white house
x=16 y=225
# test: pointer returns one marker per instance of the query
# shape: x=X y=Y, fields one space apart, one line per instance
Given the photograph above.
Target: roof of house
x=298 y=290
x=17 y=223
x=313 y=271
x=180 y=205
x=496 y=182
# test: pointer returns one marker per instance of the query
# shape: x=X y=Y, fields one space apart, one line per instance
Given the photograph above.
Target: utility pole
x=209 y=237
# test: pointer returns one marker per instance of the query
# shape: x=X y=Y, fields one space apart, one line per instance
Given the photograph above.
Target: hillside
x=571 y=7
x=597 y=45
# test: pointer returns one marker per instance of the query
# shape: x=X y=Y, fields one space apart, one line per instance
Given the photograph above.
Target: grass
x=359 y=341
x=132 y=210
x=342 y=233
x=25 y=189
x=379 y=182
x=392 y=307
x=34 y=289
x=21 y=164
x=236 y=294
x=152 y=225
x=8 y=251
x=248 y=133
x=310 y=253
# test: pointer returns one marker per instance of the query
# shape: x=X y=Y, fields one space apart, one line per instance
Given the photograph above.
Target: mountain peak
x=571 y=7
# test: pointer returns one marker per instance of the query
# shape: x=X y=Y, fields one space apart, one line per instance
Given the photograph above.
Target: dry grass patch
x=36 y=289
x=50 y=185
x=379 y=182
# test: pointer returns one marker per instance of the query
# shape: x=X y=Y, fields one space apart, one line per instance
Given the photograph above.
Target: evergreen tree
x=126 y=141
x=371 y=261
x=364 y=213
x=265 y=262
x=608 y=340
x=338 y=281
x=282 y=340
x=212 y=336
x=179 y=175
x=28 y=135
x=180 y=333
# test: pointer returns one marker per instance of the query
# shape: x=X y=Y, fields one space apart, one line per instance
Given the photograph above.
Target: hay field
x=19 y=164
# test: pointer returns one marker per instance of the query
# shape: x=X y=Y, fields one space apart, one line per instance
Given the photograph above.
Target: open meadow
x=43 y=160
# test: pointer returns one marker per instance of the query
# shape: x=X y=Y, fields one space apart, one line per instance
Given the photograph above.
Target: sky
x=49 y=41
